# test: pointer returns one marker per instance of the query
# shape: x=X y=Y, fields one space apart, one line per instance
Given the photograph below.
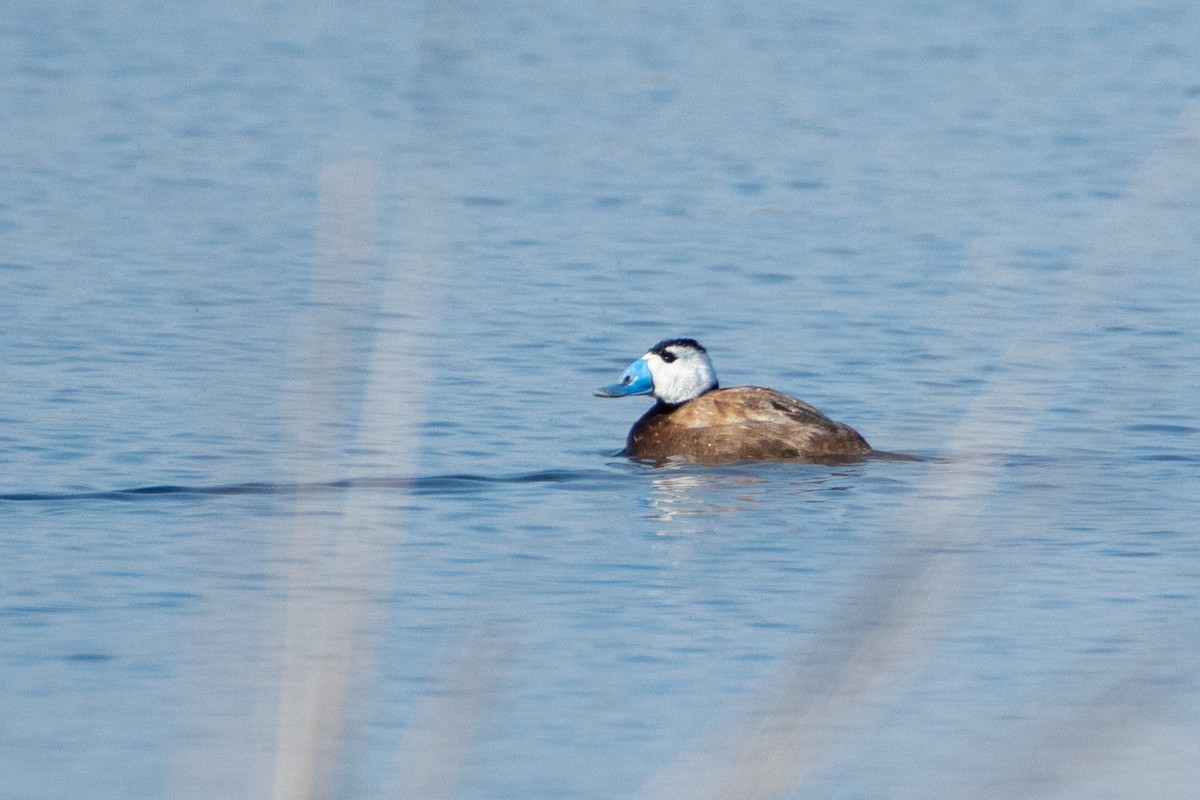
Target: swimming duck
x=695 y=420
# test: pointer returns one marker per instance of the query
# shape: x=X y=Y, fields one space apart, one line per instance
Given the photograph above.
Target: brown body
x=745 y=423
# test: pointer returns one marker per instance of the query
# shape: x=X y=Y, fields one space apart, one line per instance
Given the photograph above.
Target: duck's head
x=674 y=371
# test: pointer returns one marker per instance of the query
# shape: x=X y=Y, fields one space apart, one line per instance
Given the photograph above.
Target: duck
x=695 y=420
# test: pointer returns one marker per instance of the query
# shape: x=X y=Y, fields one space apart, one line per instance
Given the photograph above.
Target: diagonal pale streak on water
x=313 y=651
x=307 y=658
x=325 y=642
x=272 y=682
x=335 y=558
x=805 y=718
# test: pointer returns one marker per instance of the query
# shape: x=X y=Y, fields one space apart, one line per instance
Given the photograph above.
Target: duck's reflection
x=688 y=493
x=673 y=496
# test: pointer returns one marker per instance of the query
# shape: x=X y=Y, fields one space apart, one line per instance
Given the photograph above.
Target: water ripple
x=425 y=485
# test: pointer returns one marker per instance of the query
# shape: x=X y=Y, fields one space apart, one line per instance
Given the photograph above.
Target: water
x=304 y=492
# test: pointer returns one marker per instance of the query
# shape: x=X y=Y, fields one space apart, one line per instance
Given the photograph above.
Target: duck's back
x=745 y=423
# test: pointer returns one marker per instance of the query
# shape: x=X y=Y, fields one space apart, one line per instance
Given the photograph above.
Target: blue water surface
x=303 y=491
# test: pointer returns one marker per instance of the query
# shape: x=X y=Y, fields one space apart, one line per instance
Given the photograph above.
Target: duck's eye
x=626 y=380
x=667 y=356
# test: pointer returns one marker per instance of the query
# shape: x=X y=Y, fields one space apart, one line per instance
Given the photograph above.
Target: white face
x=680 y=374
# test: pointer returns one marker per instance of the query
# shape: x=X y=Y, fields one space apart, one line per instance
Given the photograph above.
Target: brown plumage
x=696 y=420
x=745 y=423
